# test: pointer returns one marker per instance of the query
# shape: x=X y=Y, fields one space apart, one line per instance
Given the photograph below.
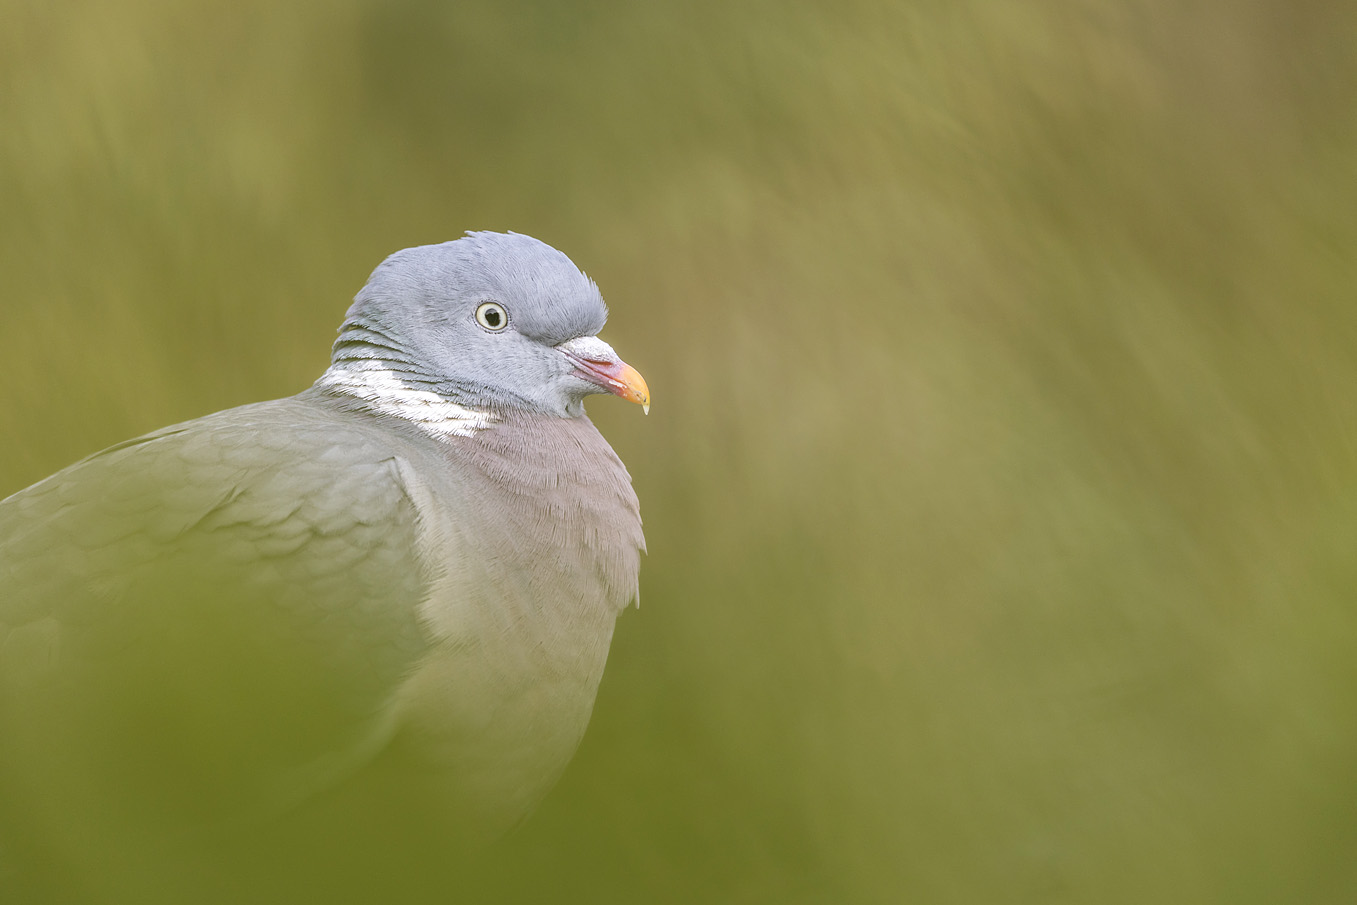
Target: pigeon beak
x=597 y=363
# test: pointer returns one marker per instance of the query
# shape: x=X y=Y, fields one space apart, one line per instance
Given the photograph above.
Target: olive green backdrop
x=1001 y=480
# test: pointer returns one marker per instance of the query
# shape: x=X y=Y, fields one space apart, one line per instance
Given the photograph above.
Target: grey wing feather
x=209 y=613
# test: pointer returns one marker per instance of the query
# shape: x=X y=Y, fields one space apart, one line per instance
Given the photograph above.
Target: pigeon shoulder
x=305 y=497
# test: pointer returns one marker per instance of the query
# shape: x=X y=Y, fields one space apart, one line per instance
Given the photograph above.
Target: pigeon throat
x=383 y=391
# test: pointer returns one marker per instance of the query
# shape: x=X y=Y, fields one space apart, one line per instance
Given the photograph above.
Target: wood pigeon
x=349 y=634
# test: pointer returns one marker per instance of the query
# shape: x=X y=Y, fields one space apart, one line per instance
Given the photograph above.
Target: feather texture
x=330 y=624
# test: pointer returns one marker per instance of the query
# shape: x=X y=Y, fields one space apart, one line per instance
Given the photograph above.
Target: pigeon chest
x=530 y=554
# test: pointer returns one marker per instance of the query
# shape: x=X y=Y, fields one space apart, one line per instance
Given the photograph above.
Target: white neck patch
x=386 y=394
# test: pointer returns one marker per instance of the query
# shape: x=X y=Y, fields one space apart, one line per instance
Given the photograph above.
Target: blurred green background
x=1001 y=483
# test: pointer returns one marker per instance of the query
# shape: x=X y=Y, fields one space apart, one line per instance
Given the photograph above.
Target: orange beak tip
x=632 y=386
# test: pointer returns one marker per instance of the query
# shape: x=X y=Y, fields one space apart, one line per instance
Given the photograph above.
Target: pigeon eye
x=492 y=316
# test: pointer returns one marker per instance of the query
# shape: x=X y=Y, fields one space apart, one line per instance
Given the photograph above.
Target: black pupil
x=492 y=317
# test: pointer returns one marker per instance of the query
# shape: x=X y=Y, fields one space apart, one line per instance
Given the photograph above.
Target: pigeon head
x=494 y=322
